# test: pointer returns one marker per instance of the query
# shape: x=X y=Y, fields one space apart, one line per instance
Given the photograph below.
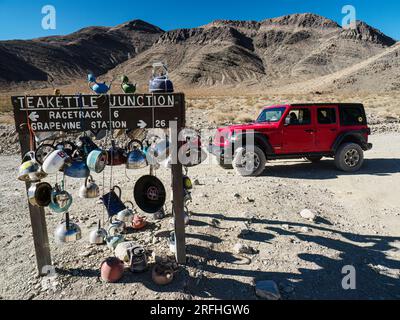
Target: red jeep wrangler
x=310 y=131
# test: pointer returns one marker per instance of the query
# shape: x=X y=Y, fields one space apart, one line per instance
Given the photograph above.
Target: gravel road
x=358 y=224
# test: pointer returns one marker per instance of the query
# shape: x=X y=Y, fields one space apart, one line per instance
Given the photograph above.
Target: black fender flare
x=260 y=140
x=351 y=136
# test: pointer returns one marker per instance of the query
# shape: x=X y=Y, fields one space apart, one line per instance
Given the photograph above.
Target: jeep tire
x=314 y=159
x=349 y=157
x=243 y=164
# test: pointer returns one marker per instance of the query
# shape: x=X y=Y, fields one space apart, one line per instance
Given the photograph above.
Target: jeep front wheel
x=349 y=157
x=249 y=161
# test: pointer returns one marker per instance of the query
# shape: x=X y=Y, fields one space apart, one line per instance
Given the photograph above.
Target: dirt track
x=358 y=224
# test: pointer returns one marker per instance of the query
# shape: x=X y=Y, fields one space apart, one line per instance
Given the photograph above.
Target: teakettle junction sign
x=81 y=113
x=89 y=112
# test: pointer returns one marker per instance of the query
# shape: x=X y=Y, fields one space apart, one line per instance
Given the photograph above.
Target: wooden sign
x=92 y=112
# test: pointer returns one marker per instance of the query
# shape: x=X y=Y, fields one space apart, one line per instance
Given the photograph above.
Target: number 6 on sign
x=160 y=123
x=116 y=114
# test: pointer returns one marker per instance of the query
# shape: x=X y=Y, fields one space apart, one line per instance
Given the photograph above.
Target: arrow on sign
x=33 y=116
x=141 y=124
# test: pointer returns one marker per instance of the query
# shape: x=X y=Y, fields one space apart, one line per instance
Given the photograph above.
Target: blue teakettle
x=78 y=169
x=98 y=87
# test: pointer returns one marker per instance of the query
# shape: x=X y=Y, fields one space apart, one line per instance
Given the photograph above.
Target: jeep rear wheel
x=314 y=159
x=349 y=157
x=249 y=161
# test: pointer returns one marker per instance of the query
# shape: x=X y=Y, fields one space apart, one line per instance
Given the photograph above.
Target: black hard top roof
x=324 y=104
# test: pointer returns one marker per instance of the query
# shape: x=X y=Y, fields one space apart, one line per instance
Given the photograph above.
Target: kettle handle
x=129 y=147
x=30 y=155
x=88 y=178
x=119 y=189
x=131 y=203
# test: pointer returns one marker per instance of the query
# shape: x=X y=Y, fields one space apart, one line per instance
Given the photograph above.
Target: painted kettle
x=61 y=200
x=89 y=189
x=30 y=170
x=136 y=159
x=55 y=161
x=97 y=160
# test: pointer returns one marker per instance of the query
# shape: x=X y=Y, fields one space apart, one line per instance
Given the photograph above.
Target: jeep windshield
x=271 y=115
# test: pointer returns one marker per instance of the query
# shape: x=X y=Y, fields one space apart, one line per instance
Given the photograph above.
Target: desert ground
x=358 y=220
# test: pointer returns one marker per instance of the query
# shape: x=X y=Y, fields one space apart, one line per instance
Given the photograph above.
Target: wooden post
x=177 y=189
x=38 y=221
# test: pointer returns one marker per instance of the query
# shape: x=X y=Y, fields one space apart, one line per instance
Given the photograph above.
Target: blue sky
x=22 y=19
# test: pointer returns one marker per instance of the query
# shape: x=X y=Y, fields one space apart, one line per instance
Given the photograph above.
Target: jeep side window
x=326 y=115
x=352 y=115
x=298 y=117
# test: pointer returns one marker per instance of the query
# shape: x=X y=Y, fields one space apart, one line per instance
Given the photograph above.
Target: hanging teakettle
x=113 y=202
x=55 y=161
x=116 y=227
x=126 y=215
x=116 y=155
x=67 y=231
x=61 y=200
x=39 y=194
x=89 y=189
x=149 y=194
x=126 y=86
x=136 y=159
x=30 y=170
x=97 y=87
x=138 y=259
x=97 y=160
x=158 y=151
x=86 y=145
x=77 y=169
x=98 y=235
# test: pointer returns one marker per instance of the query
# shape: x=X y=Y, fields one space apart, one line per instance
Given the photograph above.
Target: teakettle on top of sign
x=160 y=81
x=98 y=87
x=127 y=86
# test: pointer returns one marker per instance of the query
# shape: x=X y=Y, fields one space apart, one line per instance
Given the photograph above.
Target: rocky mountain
x=61 y=58
x=254 y=55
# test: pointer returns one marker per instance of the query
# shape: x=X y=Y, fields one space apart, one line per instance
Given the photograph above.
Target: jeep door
x=298 y=130
x=326 y=127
